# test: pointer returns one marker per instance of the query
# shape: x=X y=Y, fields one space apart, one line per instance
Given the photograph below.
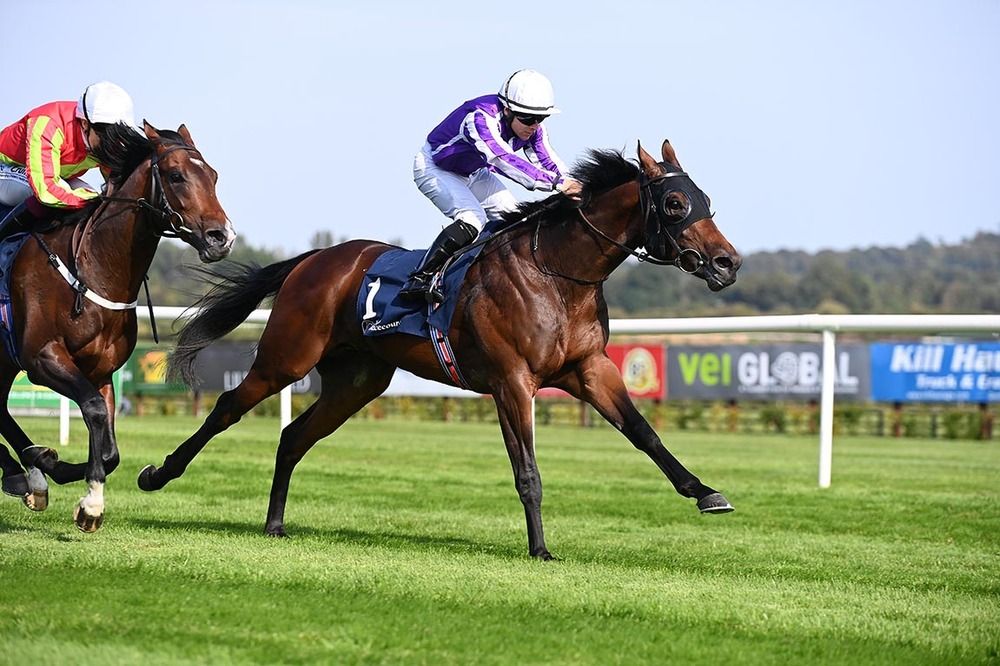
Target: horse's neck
x=116 y=249
x=571 y=247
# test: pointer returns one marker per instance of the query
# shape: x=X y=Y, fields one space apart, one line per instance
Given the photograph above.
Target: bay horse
x=74 y=330
x=531 y=313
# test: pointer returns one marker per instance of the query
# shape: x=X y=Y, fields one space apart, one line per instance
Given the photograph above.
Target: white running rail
x=826 y=325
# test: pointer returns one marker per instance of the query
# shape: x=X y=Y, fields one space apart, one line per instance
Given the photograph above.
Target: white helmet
x=105 y=102
x=527 y=91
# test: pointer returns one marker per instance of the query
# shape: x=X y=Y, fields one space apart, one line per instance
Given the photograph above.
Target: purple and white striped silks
x=474 y=136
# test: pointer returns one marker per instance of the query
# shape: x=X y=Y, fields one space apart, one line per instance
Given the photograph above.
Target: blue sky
x=811 y=125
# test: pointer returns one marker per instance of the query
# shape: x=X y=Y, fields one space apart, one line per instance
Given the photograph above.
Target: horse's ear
x=183 y=131
x=669 y=156
x=150 y=131
x=649 y=165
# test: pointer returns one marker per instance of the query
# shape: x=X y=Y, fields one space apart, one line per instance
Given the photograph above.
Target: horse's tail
x=236 y=292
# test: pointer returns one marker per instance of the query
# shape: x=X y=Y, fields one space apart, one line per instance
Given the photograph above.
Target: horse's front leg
x=513 y=401
x=56 y=369
x=598 y=382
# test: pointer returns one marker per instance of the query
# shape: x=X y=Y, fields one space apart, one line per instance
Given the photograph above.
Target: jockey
x=458 y=166
x=43 y=154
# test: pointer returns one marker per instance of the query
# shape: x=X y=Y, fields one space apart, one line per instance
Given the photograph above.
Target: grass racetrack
x=409 y=546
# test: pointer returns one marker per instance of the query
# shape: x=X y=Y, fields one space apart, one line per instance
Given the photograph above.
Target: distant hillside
x=920 y=278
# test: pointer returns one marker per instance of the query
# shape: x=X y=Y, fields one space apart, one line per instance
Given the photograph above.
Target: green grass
x=409 y=546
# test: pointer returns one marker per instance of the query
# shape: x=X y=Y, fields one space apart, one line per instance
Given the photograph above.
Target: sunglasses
x=530 y=120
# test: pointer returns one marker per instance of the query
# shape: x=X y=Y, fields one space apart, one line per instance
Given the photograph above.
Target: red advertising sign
x=641 y=367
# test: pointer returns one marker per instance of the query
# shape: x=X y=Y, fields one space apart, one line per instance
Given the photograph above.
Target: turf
x=409 y=546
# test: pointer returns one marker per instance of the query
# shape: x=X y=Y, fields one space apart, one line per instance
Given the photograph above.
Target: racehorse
x=531 y=313
x=72 y=337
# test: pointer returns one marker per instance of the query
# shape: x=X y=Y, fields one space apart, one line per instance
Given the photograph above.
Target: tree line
x=921 y=278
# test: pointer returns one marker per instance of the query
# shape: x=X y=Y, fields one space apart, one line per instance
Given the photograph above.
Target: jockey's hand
x=571 y=188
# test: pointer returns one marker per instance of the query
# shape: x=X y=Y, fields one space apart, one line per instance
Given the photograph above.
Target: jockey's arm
x=44 y=139
x=483 y=131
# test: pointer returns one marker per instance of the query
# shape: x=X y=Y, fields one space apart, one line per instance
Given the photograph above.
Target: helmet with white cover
x=527 y=91
x=105 y=102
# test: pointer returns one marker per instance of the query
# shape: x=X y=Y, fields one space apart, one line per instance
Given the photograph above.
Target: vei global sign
x=791 y=371
x=954 y=372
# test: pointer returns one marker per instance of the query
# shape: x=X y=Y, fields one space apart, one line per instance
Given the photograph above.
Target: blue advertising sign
x=952 y=372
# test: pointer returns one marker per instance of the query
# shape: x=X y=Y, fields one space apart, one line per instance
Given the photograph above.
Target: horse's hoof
x=545 y=556
x=86 y=523
x=37 y=497
x=15 y=485
x=276 y=532
x=715 y=503
x=147 y=479
x=39 y=456
x=37 y=500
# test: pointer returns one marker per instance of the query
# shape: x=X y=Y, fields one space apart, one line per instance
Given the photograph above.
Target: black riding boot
x=452 y=239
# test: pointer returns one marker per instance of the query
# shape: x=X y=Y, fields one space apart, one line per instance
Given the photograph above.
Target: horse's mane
x=121 y=151
x=599 y=171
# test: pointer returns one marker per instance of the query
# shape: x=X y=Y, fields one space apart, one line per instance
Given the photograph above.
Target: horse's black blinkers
x=664 y=226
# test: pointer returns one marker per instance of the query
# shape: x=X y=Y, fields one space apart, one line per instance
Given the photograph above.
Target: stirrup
x=416 y=286
x=433 y=295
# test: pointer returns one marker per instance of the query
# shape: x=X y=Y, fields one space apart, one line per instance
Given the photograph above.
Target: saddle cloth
x=381 y=312
x=9 y=247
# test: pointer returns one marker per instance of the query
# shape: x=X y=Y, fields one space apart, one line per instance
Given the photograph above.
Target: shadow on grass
x=382 y=538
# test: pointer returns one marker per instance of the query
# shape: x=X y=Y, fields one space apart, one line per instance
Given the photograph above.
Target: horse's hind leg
x=15 y=480
x=228 y=410
x=27 y=482
x=349 y=383
x=598 y=382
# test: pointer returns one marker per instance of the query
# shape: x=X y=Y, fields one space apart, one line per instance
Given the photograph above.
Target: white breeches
x=474 y=199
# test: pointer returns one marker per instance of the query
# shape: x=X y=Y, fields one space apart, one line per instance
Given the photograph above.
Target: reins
x=647 y=206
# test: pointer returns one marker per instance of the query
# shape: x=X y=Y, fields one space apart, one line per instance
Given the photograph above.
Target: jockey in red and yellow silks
x=43 y=153
x=49 y=143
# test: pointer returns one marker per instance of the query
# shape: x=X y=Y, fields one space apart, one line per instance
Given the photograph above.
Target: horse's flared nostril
x=217 y=237
x=727 y=263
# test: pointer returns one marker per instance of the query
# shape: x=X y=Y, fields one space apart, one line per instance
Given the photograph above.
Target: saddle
x=15 y=219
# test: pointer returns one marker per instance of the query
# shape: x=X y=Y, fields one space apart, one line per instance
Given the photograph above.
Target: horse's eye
x=176 y=177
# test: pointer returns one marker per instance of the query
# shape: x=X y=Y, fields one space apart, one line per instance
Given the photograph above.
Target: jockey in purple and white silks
x=457 y=167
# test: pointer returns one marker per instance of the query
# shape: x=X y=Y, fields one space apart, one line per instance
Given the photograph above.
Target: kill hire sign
x=953 y=372
x=747 y=372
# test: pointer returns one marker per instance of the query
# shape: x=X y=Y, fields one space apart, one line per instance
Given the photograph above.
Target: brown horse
x=531 y=313
x=73 y=333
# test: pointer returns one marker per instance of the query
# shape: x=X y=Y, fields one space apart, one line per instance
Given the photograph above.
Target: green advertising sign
x=27 y=397
x=145 y=373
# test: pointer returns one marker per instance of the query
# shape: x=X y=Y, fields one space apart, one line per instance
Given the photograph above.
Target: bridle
x=158 y=204
x=660 y=227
